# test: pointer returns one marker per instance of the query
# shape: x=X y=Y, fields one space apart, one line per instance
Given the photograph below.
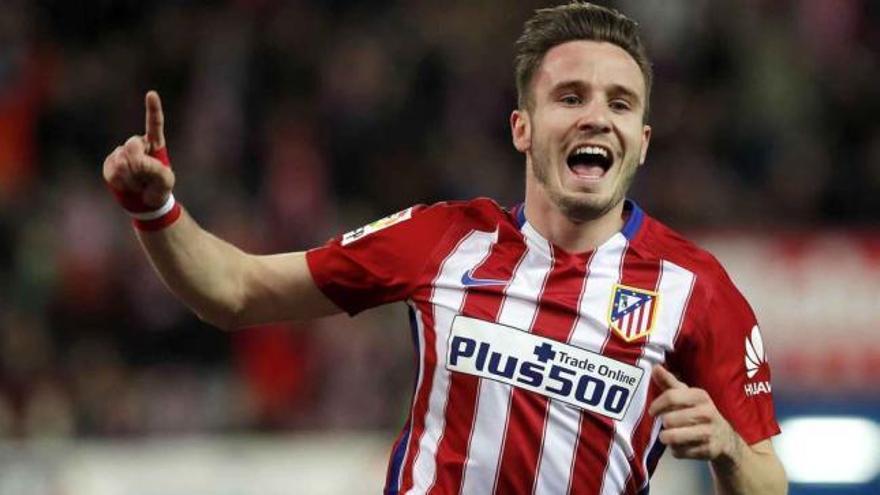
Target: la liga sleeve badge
x=376 y=226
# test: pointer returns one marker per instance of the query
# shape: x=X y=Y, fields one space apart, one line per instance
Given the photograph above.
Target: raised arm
x=222 y=284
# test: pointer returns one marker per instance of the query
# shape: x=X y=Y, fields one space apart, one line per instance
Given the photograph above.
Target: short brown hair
x=575 y=21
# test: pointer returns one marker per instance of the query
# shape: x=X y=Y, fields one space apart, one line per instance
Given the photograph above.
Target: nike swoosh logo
x=468 y=281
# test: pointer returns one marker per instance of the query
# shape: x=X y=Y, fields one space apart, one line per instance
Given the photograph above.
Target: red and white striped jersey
x=534 y=363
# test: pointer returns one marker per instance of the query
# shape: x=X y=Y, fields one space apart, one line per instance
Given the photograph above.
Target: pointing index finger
x=665 y=379
x=155 y=121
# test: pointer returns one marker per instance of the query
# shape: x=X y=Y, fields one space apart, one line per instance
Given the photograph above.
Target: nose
x=594 y=118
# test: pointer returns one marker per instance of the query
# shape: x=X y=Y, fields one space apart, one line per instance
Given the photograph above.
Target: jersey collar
x=636 y=217
x=635 y=220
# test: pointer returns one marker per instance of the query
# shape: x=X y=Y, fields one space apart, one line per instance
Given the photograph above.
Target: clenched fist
x=139 y=173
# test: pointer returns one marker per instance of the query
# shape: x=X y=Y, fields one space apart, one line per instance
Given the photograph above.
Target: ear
x=646 y=141
x=521 y=130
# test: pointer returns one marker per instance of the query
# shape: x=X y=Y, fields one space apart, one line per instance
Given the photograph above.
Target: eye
x=570 y=100
x=620 y=105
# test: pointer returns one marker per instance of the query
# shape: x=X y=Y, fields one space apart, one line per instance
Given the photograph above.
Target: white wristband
x=158 y=213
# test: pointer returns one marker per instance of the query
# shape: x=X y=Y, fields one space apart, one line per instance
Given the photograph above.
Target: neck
x=574 y=236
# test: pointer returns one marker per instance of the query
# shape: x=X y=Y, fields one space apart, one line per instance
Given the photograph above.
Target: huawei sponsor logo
x=755 y=358
x=755 y=355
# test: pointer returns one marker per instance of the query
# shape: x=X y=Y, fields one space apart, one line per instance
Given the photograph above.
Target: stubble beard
x=580 y=207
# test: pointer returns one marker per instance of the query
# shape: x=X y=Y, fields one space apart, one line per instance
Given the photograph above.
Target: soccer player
x=563 y=343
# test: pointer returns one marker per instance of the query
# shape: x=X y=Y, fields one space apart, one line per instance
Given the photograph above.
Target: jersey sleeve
x=727 y=358
x=380 y=262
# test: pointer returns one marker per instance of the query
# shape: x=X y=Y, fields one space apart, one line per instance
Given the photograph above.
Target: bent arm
x=228 y=287
x=749 y=469
x=694 y=428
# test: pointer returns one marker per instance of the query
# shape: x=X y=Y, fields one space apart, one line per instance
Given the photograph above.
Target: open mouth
x=590 y=162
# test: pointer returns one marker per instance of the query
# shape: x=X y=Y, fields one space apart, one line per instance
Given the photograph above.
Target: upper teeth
x=593 y=150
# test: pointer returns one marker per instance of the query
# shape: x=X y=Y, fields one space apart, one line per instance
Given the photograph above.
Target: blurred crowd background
x=290 y=122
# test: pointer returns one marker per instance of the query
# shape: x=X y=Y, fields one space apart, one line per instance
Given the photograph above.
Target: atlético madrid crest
x=632 y=311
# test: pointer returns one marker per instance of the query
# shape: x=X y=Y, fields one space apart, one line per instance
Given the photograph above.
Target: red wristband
x=160 y=218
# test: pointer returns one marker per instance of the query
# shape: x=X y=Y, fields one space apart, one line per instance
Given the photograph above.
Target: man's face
x=584 y=134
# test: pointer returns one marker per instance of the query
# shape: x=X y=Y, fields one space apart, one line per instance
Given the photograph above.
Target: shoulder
x=668 y=245
x=475 y=208
x=428 y=223
x=477 y=213
x=716 y=310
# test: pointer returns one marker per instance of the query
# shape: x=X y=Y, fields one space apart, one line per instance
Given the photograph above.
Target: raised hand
x=693 y=428
x=139 y=172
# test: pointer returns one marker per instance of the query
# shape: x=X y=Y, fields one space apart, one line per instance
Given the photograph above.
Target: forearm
x=227 y=287
x=748 y=471
x=205 y=272
x=224 y=285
